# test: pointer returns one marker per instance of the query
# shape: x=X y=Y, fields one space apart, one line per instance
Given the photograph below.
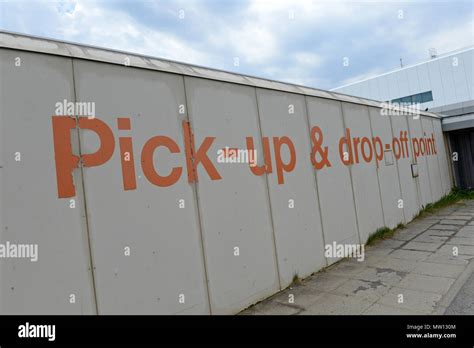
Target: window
x=426 y=97
x=415 y=98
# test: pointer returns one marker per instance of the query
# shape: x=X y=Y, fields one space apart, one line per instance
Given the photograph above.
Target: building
x=443 y=84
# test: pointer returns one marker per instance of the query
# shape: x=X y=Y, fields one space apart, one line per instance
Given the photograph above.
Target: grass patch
x=381 y=233
x=296 y=280
x=453 y=197
x=400 y=226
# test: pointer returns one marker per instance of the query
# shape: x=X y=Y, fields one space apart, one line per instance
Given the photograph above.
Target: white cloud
x=252 y=43
x=457 y=36
x=308 y=59
x=271 y=38
x=115 y=29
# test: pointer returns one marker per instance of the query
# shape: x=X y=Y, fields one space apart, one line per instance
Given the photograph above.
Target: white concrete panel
x=165 y=259
x=387 y=170
x=382 y=83
x=409 y=189
x=402 y=81
x=437 y=87
x=235 y=210
x=363 y=90
x=295 y=206
x=423 y=178
x=460 y=76
x=468 y=65
x=449 y=87
x=334 y=183
x=364 y=174
x=443 y=159
x=424 y=81
x=432 y=161
x=32 y=213
x=395 y=91
x=346 y=90
x=374 y=90
x=413 y=83
x=352 y=90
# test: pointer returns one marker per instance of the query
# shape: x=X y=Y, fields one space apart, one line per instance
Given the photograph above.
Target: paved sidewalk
x=414 y=272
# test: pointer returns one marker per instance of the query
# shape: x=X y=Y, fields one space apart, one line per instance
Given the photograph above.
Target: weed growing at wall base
x=453 y=197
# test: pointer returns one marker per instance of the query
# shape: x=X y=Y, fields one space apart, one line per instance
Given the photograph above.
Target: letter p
x=66 y=161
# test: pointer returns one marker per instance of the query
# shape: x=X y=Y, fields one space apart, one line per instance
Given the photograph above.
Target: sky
x=322 y=44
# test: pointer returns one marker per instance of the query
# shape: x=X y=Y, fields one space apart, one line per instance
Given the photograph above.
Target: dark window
x=426 y=97
x=406 y=100
x=415 y=98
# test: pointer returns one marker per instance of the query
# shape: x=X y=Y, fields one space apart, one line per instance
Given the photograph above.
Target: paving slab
x=432 y=220
x=397 y=264
x=298 y=296
x=437 y=269
x=444 y=227
x=439 y=285
x=338 y=304
x=410 y=254
x=405 y=236
x=422 y=246
x=387 y=276
x=427 y=237
x=347 y=269
x=453 y=222
x=446 y=233
x=466 y=217
x=325 y=281
x=465 y=233
x=390 y=243
x=416 y=227
x=461 y=249
x=380 y=309
x=424 y=302
x=448 y=258
x=461 y=241
x=377 y=251
x=370 y=290
x=273 y=308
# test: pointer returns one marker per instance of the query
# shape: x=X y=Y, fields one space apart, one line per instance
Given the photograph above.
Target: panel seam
x=350 y=175
x=315 y=174
x=196 y=198
x=268 y=192
x=91 y=257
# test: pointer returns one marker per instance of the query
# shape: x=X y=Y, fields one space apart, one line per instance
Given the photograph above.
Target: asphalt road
x=463 y=303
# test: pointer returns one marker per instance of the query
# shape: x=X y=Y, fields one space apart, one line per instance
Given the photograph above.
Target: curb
x=448 y=298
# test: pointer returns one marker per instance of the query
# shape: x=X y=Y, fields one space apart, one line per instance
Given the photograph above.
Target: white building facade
x=444 y=85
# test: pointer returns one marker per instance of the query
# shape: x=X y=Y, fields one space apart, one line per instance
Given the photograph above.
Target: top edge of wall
x=37 y=44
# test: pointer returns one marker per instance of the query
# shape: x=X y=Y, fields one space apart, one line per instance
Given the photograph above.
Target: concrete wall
x=212 y=245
